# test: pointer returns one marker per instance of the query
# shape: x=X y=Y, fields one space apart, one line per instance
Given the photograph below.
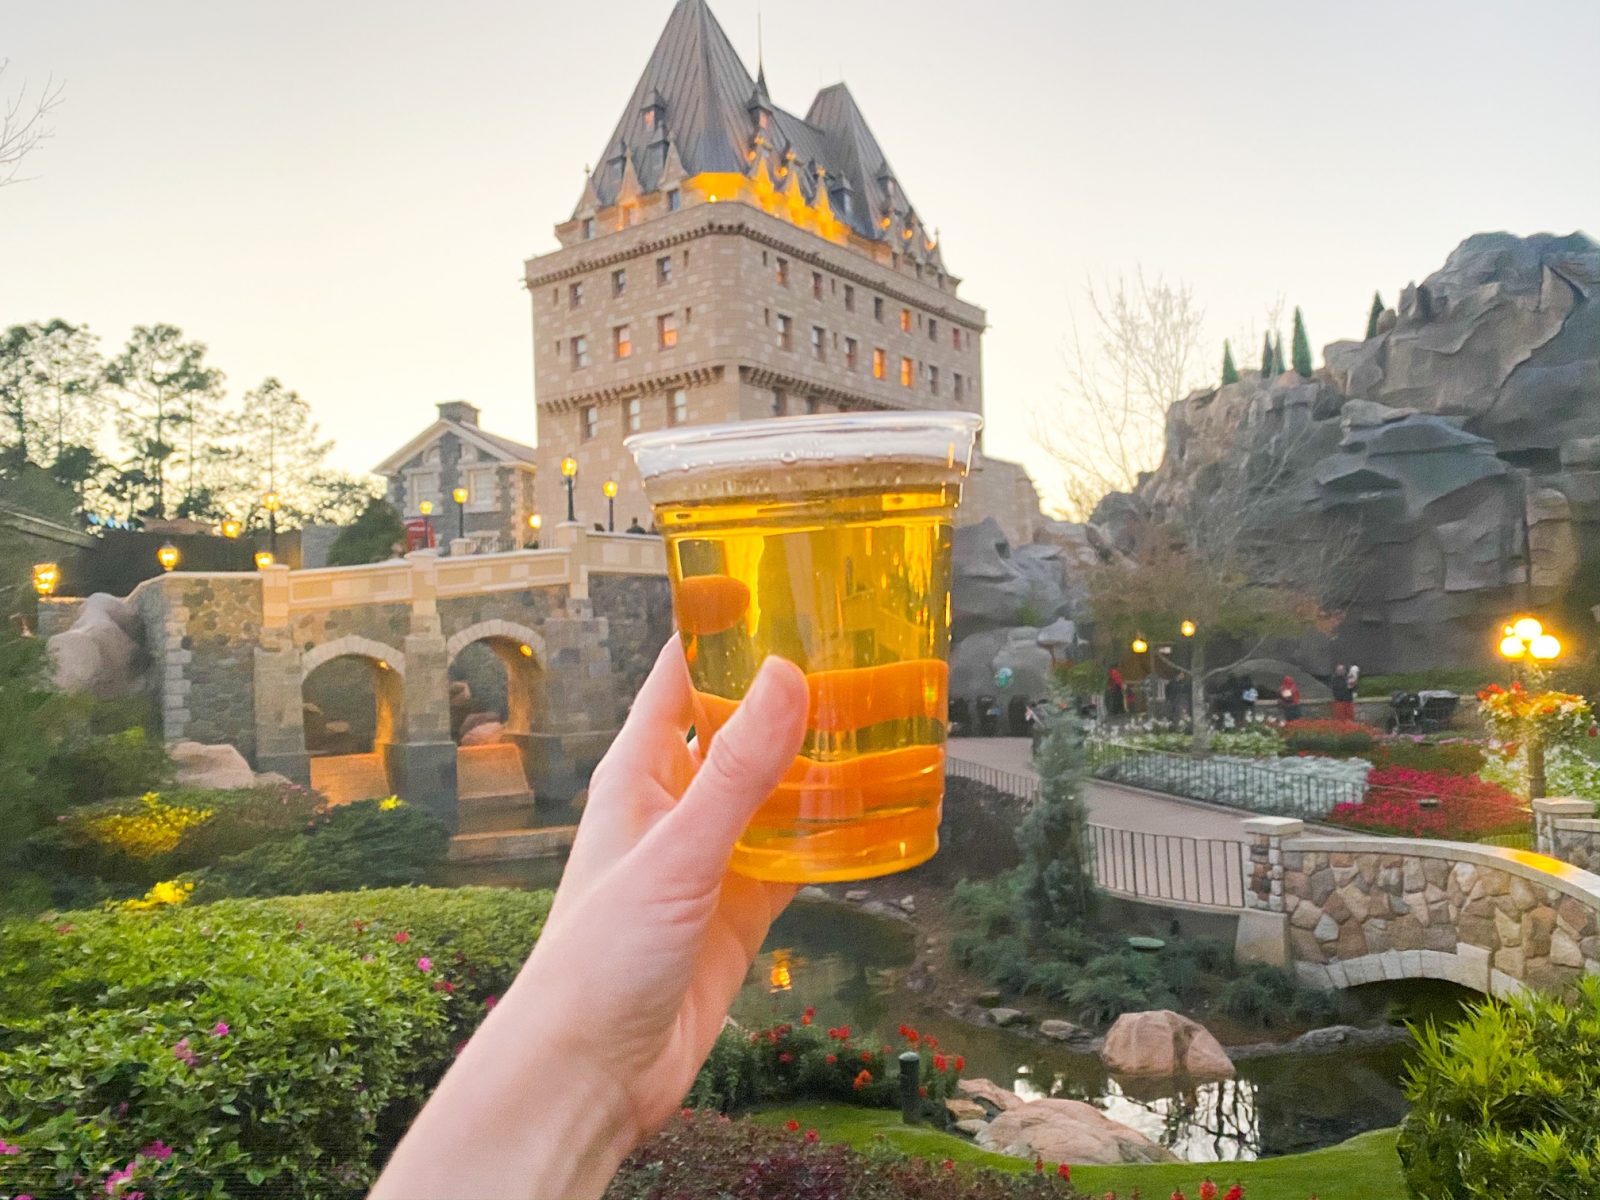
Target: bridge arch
x=349 y=744
x=352 y=646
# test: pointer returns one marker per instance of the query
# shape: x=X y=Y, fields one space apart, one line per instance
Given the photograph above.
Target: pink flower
x=424 y=964
x=402 y=938
x=7 y=1148
x=157 y=1150
x=489 y=1003
x=183 y=1054
x=220 y=1029
x=811 y=1136
x=116 y=1179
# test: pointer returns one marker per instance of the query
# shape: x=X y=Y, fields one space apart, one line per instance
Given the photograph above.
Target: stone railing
x=1567 y=829
x=1352 y=910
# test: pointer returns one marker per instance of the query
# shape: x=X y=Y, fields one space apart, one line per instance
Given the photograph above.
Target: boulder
x=1005 y=1016
x=971 y=1126
x=1064 y=1031
x=1068 y=1131
x=472 y=720
x=100 y=653
x=272 y=779
x=989 y=1092
x=993 y=586
x=1163 y=1042
x=484 y=733
x=203 y=766
x=966 y=1110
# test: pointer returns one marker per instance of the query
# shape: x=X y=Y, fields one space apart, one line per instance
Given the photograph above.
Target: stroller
x=1422 y=712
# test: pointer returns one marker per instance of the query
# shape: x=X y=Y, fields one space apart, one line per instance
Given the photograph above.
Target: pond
x=846 y=964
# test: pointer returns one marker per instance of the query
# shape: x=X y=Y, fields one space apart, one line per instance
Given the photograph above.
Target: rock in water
x=1064 y=1031
x=1068 y=1131
x=1163 y=1042
x=990 y=1093
x=203 y=766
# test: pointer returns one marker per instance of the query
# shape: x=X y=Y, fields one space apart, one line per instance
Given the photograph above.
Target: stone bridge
x=574 y=626
x=1348 y=910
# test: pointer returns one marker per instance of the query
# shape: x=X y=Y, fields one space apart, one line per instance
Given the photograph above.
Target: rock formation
x=1459 y=447
x=1163 y=1042
x=202 y=766
x=100 y=653
x=1068 y=1131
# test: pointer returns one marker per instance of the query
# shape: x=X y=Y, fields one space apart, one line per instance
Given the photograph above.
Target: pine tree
x=1300 y=348
x=170 y=397
x=1230 y=373
x=1277 y=356
x=1266 y=356
x=371 y=538
x=1374 y=314
x=1057 y=875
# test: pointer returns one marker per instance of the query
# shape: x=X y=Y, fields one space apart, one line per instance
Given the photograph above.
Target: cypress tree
x=1230 y=373
x=1266 y=356
x=1372 y=316
x=1300 y=348
x=1277 y=356
x=1057 y=876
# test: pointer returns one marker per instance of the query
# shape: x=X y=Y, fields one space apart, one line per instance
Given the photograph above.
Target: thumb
x=746 y=760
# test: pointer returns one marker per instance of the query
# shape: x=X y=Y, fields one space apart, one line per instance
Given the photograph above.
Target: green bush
x=1506 y=1103
x=1119 y=982
x=1447 y=758
x=371 y=843
x=127 y=763
x=276 y=1046
x=1258 y=994
x=1328 y=736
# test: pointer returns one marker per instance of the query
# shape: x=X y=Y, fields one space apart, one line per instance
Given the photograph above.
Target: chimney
x=460 y=411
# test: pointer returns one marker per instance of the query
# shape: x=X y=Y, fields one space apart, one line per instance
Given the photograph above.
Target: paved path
x=1111 y=805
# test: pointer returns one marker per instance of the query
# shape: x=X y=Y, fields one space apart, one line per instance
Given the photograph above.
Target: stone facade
x=1364 y=909
x=638 y=614
x=1567 y=829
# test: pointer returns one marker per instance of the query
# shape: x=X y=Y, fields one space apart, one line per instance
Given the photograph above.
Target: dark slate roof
x=711 y=108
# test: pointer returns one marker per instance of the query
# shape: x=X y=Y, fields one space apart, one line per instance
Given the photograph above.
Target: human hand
x=650 y=937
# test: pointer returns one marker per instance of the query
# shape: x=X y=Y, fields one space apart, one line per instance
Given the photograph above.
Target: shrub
x=1258 y=741
x=1328 y=737
x=1568 y=771
x=370 y=843
x=1259 y=994
x=990 y=908
x=1003 y=961
x=1119 y=982
x=700 y=1156
x=127 y=763
x=1506 y=1103
x=275 y=1046
x=1449 y=758
x=1466 y=808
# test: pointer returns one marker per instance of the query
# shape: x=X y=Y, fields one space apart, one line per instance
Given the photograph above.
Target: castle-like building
x=729 y=260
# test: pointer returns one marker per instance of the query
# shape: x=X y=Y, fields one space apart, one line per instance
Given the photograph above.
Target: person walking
x=1339 y=685
x=1289 y=699
x=1116 y=694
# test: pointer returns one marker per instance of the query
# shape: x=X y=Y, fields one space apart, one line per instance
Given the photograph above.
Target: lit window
x=818 y=350
x=588 y=228
x=635 y=414
x=905 y=320
x=933 y=330
x=575 y=295
x=880 y=362
x=649 y=118
x=816 y=285
x=678 y=407
x=905 y=372
x=933 y=380
x=877 y=308
x=619 y=282
x=849 y=298
x=783 y=272
x=630 y=214
x=850 y=354
x=664 y=269
x=591 y=421
x=580 y=352
x=785 y=338
x=622 y=341
x=674 y=200
x=667 y=330
x=955 y=385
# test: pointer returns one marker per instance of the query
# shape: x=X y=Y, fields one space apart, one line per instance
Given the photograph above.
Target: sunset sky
x=342 y=194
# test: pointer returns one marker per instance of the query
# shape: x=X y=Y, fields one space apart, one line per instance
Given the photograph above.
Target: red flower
x=831 y=1059
x=940 y=1063
x=948 y=1165
x=929 y=1041
x=687 y=1114
x=1208 y=1190
x=866 y=1056
x=402 y=938
x=792 y=1125
x=772 y=1036
x=1236 y=1192
x=786 y=1057
x=844 y=1032
x=862 y=1079
x=1178 y=1195
x=923 y=1092
x=961 y=1063
x=810 y=1012
x=811 y=1137
x=805 y=1019
x=1065 y=1172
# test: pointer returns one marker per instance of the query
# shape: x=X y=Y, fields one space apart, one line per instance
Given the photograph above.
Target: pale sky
x=342 y=193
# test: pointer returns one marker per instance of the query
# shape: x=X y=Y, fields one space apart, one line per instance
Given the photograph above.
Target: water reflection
x=847 y=965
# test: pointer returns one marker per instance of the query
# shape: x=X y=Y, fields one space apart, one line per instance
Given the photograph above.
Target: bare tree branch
x=24 y=124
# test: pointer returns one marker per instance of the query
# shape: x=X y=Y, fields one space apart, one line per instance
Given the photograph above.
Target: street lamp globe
x=1545 y=647
x=168 y=556
x=271 y=502
x=1513 y=647
x=459 y=495
x=1527 y=628
x=45 y=577
x=1139 y=645
x=569 y=466
x=231 y=528
x=426 y=508
x=1187 y=629
x=609 y=487
x=535 y=522
x=264 y=559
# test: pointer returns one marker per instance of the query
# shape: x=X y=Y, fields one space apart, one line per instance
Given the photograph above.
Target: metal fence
x=1014 y=783
x=1164 y=866
x=1279 y=788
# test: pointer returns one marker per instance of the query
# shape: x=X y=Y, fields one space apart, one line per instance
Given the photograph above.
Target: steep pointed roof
x=710 y=104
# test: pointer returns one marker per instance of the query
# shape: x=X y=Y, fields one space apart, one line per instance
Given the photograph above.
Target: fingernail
x=764 y=689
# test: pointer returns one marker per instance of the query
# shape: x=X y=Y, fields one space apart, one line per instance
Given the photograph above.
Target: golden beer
x=826 y=541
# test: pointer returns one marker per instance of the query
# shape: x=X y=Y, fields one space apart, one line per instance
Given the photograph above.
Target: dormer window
x=655 y=109
x=649 y=118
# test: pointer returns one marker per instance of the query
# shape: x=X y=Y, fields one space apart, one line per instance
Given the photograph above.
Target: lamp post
x=1525 y=643
x=272 y=503
x=264 y=559
x=569 y=473
x=610 y=489
x=46 y=576
x=425 y=507
x=535 y=523
x=168 y=556
x=459 y=495
x=231 y=527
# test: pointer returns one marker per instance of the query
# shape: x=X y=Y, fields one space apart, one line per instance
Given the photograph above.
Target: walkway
x=1110 y=804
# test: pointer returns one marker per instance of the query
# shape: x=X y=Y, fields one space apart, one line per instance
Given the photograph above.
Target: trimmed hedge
x=246 y=1048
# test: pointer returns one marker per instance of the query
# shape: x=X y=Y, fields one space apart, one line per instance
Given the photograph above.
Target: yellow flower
x=390 y=803
x=169 y=892
x=155 y=827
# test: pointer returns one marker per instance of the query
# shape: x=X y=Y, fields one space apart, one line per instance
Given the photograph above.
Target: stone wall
x=638 y=614
x=1364 y=909
x=385 y=623
x=1567 y=829
x=525 y=606
x=222 y=621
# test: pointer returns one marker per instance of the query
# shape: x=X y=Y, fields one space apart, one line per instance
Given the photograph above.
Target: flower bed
x=1431 y=804
x=1257 y=741
x=1309 y=786
x=1328 y=737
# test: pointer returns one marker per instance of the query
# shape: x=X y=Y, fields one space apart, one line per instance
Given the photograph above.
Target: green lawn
x=1364 y=1168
